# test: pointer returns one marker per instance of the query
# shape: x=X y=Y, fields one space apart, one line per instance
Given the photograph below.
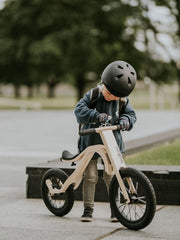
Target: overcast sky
x=1 y=3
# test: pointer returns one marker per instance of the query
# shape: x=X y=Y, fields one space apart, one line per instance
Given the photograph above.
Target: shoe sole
x=86 y=219
x=114 y=220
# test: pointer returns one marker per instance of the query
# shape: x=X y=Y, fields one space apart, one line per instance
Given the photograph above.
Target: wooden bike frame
x=111 y=156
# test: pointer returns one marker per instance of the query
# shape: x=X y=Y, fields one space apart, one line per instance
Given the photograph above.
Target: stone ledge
x=165 y=179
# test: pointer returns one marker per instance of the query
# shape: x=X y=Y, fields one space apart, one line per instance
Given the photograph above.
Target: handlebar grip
x=118 y=127
x=87 y=131
x=93 y=130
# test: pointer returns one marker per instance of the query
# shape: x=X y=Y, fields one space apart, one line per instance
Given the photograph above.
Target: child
x=117 y=82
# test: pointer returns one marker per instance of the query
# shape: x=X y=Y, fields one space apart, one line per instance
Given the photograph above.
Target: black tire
x=58 y=204
x=140 y=211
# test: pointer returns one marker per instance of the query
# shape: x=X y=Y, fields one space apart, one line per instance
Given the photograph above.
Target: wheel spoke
x=124 y=206
x=129 y=212
x=136 y=208
x=57 y=203
x=56 y=200
x=140 y=200
x=140 y=207
x=137 y=184
x=137 y=213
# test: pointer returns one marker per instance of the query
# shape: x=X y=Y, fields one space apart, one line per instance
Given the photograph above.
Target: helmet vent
x=132 y=73
x=119 y=76
x=120 y=67
x=129 y=82
x=127 y=65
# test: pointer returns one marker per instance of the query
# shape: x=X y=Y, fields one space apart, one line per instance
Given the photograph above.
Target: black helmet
x=119 y=77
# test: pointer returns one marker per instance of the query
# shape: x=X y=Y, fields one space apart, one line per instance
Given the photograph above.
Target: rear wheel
x=140 y=211
x=59 y=204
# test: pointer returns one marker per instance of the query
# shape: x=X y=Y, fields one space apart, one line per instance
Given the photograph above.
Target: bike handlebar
x=97 y=130
x=87 y=131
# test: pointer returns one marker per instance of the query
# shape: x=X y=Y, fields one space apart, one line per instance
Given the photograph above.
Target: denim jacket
x=87 y=117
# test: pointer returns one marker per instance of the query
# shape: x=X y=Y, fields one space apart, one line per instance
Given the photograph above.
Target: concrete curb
x=165 y=180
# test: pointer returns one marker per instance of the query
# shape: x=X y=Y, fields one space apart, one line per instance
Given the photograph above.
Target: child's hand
x=102 y=118
x=124 y=124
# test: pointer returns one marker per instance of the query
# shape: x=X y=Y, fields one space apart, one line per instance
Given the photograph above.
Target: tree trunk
x=80 y=85
x=177 y=66
x=52 y=82
x=30 y=91
x=179 y=87
x=178 y=33
x=17 y=91
x=51 y=88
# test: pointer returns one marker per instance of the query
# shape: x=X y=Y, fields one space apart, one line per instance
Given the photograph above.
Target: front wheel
x=140 y=211
x=59 y=204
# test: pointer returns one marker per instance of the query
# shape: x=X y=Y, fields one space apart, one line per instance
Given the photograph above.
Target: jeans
x=89 y=183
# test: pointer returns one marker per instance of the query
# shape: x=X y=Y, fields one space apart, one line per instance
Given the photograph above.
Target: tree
x=30 y=52
x=96 y=38
x=115 y=27
x=55 y=41
x=14 y=48
x=172 y=8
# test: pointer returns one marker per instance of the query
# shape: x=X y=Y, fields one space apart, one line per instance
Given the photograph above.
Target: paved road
x=29 y=219
x=30 y=137
x=44 y=134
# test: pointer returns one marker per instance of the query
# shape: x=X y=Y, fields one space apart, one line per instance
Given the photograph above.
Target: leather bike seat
x=66 y=155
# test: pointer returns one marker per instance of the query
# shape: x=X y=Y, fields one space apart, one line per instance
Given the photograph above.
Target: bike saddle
x=66 y=155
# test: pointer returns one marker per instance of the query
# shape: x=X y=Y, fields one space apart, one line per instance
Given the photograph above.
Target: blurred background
x=52 y=52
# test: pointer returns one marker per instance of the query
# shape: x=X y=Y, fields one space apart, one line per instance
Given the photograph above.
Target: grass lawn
x=167 y=154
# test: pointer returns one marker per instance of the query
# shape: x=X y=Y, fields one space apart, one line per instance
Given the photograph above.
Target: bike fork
x=123 y=187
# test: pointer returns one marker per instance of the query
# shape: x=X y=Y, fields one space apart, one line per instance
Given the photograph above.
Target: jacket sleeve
x=83 y=113
x=129 y=114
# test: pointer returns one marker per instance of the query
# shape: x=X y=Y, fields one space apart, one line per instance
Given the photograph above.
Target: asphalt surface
x=29 y=219
x=37 y=135
x=33 y=137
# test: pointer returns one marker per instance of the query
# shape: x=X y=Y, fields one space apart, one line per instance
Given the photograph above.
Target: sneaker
x=113 y=218
x=87 y=215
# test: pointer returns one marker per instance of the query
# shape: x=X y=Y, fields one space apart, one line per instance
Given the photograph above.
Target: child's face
x=108 y=96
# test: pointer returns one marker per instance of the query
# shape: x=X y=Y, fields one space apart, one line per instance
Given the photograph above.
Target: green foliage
x=53 y=41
